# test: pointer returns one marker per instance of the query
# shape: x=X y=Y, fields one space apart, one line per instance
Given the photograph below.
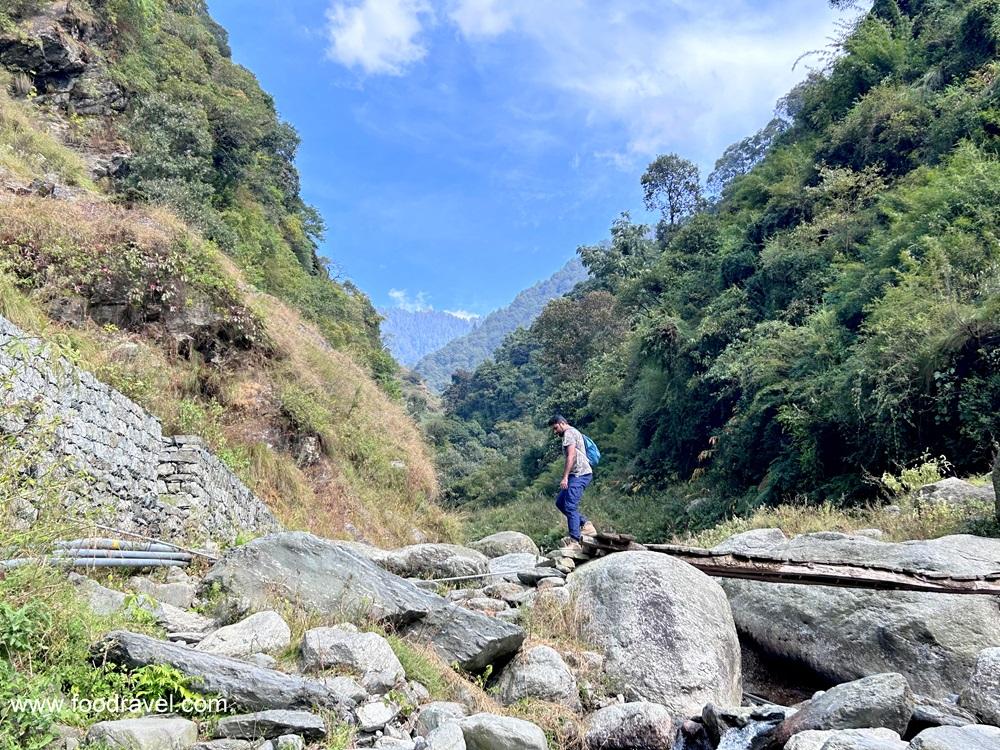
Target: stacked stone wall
x=133 y=477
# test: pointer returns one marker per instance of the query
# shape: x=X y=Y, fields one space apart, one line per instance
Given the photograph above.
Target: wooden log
x=839 y=574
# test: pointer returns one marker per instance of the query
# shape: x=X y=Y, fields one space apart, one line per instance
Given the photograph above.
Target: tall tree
x=672 y=186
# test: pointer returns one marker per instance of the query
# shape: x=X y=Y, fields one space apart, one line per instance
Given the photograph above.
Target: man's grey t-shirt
x=581 y=466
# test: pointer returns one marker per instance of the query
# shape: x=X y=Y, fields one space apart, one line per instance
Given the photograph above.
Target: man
x=577 y=474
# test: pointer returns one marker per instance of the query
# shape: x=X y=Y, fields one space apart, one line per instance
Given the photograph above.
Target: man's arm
x=570 y=463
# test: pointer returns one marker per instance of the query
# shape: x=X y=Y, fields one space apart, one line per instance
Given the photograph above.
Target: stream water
x=741 y=738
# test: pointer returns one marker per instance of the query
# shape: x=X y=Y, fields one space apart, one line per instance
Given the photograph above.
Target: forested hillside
x=412 y=334
x=465 y=353
x=825 y=310
x=151 y=223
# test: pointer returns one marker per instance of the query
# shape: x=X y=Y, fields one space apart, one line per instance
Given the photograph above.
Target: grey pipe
x=92 y=562
x=115 y=544
x=123 y=554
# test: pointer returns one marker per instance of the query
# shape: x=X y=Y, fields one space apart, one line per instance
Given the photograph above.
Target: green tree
x=672 y=186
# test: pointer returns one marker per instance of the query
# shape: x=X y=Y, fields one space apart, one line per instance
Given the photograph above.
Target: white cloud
x=463 y=314
x=483 y=17
x=378 y=36
x=404 y=301
x=667 y=75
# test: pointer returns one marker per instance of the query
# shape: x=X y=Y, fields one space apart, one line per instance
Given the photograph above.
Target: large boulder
x=972 y=737
x=541 y=673
x=880 y=701
x=447 y=737
x=955 y=491
x=629 y=726
x=470 y=639
x=367 y=655
x=436 y=561
x=243 y=684
x=265 y=725
x=491 y=732
x=437 y=714
x=665 y=628
x=262 y=632
x=160 y=733
x=982 y=694
x=330 y=578
x=843 y=634
x=816 y=739
x=505 y=543
x=321 y=575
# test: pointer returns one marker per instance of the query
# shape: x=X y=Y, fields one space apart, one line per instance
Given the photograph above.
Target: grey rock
x=541 y=673
x=533 y=577
x=223 y=745
x=179 y=594
x=880 y=701
x=931 y=712
x=843 y=634
x=437 y=714
x=506 y=567
x=955 y=491
x=262 y=632
x=174 y=619
x=505 y=543
x=850 y=740
x=391 y=743
x=756 y=540
x=447 y=737
x=101 y=600
x=486 y=605
x=263 y=660
x=345 y=687
x=266 y=725
x=815 y=739
x=471 y=639
x=982 y=694
x=290 y=742
x=245 y=685
x=375 y=715
x=436 y=561
x=665 y=629
x=318 y=574
x=166 y=733
x=629 y=726
x=973 y=737
x=492 y=732
x=367 y=655
x=512 y=593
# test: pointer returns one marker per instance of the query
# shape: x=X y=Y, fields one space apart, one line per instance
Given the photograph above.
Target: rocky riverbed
x=634 y=650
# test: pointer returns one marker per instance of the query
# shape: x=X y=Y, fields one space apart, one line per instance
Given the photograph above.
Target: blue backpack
x=593 y=452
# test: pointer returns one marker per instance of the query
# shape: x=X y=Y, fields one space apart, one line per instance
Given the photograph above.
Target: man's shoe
x=589 y=529
x=568 y=542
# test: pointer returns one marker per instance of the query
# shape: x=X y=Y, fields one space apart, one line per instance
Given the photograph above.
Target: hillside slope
x=833 y=316
x=466 y=352
x=151 y=225
x=413 y=334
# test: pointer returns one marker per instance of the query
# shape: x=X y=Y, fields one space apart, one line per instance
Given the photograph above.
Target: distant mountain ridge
x=412 y=334
x=468 y=351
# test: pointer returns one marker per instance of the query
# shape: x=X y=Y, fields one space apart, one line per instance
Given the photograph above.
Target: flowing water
x=734 y=739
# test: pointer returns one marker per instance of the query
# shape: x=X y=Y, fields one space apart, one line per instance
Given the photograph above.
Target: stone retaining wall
x=136 y=478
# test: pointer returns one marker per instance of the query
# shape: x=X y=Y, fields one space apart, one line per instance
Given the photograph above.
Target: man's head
x=558 y=424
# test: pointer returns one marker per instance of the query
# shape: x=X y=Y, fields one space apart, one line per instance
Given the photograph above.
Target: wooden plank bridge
x=774 y=569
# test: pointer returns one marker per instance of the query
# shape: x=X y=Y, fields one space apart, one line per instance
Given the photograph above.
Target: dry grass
x=255 y=406
x=913 y=520
x=28 y=151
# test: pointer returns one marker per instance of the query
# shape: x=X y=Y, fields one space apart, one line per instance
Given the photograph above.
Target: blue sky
x=461 y=150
